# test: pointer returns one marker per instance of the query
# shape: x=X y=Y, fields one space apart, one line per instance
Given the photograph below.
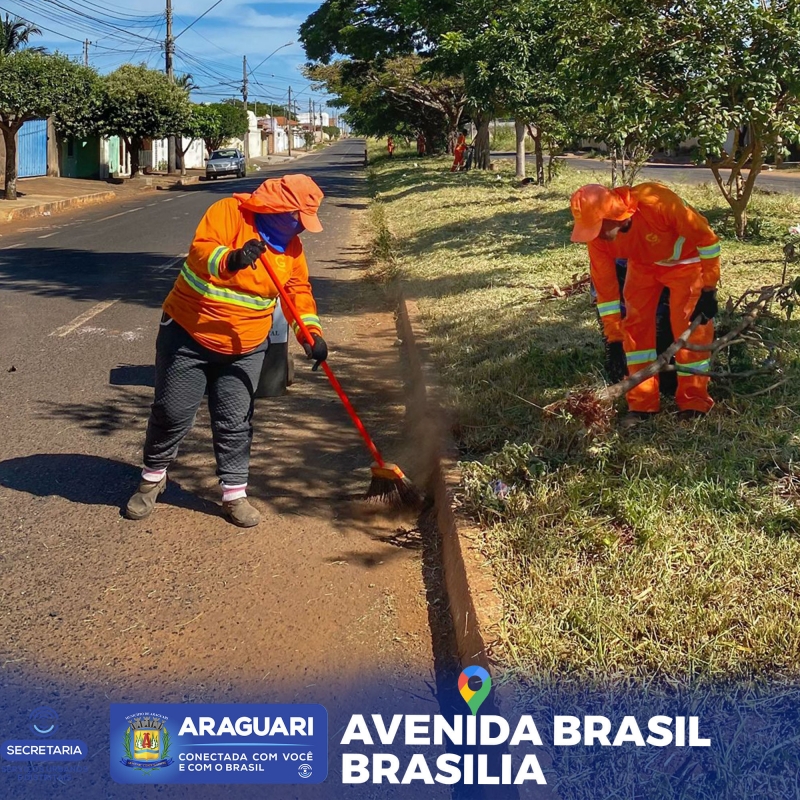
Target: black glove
x=707 y=306
x=245 y=256
x=319 y=352
x=616 y=365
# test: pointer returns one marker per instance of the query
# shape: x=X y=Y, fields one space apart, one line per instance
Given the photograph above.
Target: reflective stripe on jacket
x=232 y=312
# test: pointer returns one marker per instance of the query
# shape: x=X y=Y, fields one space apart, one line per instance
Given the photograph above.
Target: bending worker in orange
x=459 y=150
x=215 y=331
x=667 y=243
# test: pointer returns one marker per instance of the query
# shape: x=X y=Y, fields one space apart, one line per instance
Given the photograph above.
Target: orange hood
x=289 y=193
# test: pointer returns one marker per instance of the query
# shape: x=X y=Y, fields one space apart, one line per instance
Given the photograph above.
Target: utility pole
x=169 y=48
x=86 y=53
x=289 y=121
x=244 y=101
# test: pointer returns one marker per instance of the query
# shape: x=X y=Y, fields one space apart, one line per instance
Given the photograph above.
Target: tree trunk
x=519 y=130
x=10 y=139
x=739 y=192
x=551 y=160
x=482 y=154
x=182 y=151
x=537 y=148
x=133 y=145
x=613 y=152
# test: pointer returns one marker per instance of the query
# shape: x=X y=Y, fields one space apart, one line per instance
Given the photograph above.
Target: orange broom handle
x=337 y=387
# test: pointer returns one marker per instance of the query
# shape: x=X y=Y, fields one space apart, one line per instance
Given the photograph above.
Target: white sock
x=153 y=475
x=233 y=492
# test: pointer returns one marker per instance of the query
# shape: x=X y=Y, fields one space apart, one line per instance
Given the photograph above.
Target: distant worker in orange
x=215 y=328
x=459 y=150
x=390 y=146
x=421 y=147
x=667 y=244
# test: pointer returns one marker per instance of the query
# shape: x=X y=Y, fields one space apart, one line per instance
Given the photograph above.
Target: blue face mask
x=277 y=230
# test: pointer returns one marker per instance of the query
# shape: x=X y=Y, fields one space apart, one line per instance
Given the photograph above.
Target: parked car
x=226 y=161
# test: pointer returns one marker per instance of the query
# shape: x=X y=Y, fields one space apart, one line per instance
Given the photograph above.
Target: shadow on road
x=87 y=480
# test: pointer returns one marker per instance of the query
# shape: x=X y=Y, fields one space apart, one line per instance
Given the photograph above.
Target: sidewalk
x=42 y=197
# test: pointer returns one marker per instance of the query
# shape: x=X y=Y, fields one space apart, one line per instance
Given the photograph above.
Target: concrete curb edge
x=474 y=606
x=29 y=212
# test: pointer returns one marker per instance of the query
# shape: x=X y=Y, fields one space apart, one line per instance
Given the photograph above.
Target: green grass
x=666 y=556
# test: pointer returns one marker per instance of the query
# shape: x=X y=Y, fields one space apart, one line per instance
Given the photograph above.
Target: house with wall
x=37 y=150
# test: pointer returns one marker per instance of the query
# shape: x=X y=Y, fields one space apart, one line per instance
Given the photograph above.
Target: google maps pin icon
x=474 y=683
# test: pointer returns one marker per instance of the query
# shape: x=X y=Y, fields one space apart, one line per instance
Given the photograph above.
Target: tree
x=15 y=33
x=740 y=88
x=385 y=76
x=233 y=124
x=619 y=75
x=34 y=85
x=204 y=122
x=186 y=82
x=398 y=97
x=509 y=55
x=332 y=131
x=139 y=103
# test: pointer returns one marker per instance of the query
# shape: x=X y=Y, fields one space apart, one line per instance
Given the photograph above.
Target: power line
x=53 y=13
x=199 y=18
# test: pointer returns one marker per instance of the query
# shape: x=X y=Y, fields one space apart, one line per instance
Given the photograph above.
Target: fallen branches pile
x=595 y=408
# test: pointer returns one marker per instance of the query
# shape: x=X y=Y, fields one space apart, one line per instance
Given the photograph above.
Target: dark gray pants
x=184 y=369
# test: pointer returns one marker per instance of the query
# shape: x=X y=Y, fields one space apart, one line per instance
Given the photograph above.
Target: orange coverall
x=458 y=152
x=669 y=244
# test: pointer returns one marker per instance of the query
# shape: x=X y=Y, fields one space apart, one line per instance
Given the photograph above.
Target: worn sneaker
x=241 y=513
x=634 y=418
x=142 y=503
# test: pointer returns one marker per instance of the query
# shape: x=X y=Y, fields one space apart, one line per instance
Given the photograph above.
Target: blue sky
x=211 y=50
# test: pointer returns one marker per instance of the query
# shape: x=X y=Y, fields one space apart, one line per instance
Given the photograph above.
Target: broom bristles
x=391 y=487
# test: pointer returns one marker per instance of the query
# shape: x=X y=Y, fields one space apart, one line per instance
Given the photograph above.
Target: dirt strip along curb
x=29 y=212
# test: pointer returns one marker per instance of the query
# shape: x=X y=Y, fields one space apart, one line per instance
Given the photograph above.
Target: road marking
x=121 y=214
x=64 y=330
x=13 y=246
x=48 y=235
x=173 y=262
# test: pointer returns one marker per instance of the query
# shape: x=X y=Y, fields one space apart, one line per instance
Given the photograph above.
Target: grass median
x=666 y=555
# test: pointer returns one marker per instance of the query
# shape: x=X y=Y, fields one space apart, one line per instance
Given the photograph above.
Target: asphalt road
x=324 y=602
x=771 y=181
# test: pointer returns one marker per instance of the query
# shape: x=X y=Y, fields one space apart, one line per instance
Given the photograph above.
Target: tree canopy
x=35 y=85
x=634 y=74
x=139 y=103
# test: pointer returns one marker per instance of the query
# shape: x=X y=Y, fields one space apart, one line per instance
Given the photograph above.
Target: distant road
x=677 y=173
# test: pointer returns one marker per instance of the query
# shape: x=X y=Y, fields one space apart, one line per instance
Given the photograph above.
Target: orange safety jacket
x=665 y=232
x=232 y=312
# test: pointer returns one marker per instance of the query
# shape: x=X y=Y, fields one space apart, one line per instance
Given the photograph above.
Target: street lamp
x=288 y=44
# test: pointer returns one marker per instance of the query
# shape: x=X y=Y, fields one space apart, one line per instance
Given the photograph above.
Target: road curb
x=42 y=209
x=474 y=606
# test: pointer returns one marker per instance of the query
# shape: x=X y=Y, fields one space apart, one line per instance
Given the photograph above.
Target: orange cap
x=289 y=193
x=593 y=203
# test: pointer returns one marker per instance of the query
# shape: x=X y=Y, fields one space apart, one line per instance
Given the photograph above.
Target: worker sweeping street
x=667 y=244
x=214 y=332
